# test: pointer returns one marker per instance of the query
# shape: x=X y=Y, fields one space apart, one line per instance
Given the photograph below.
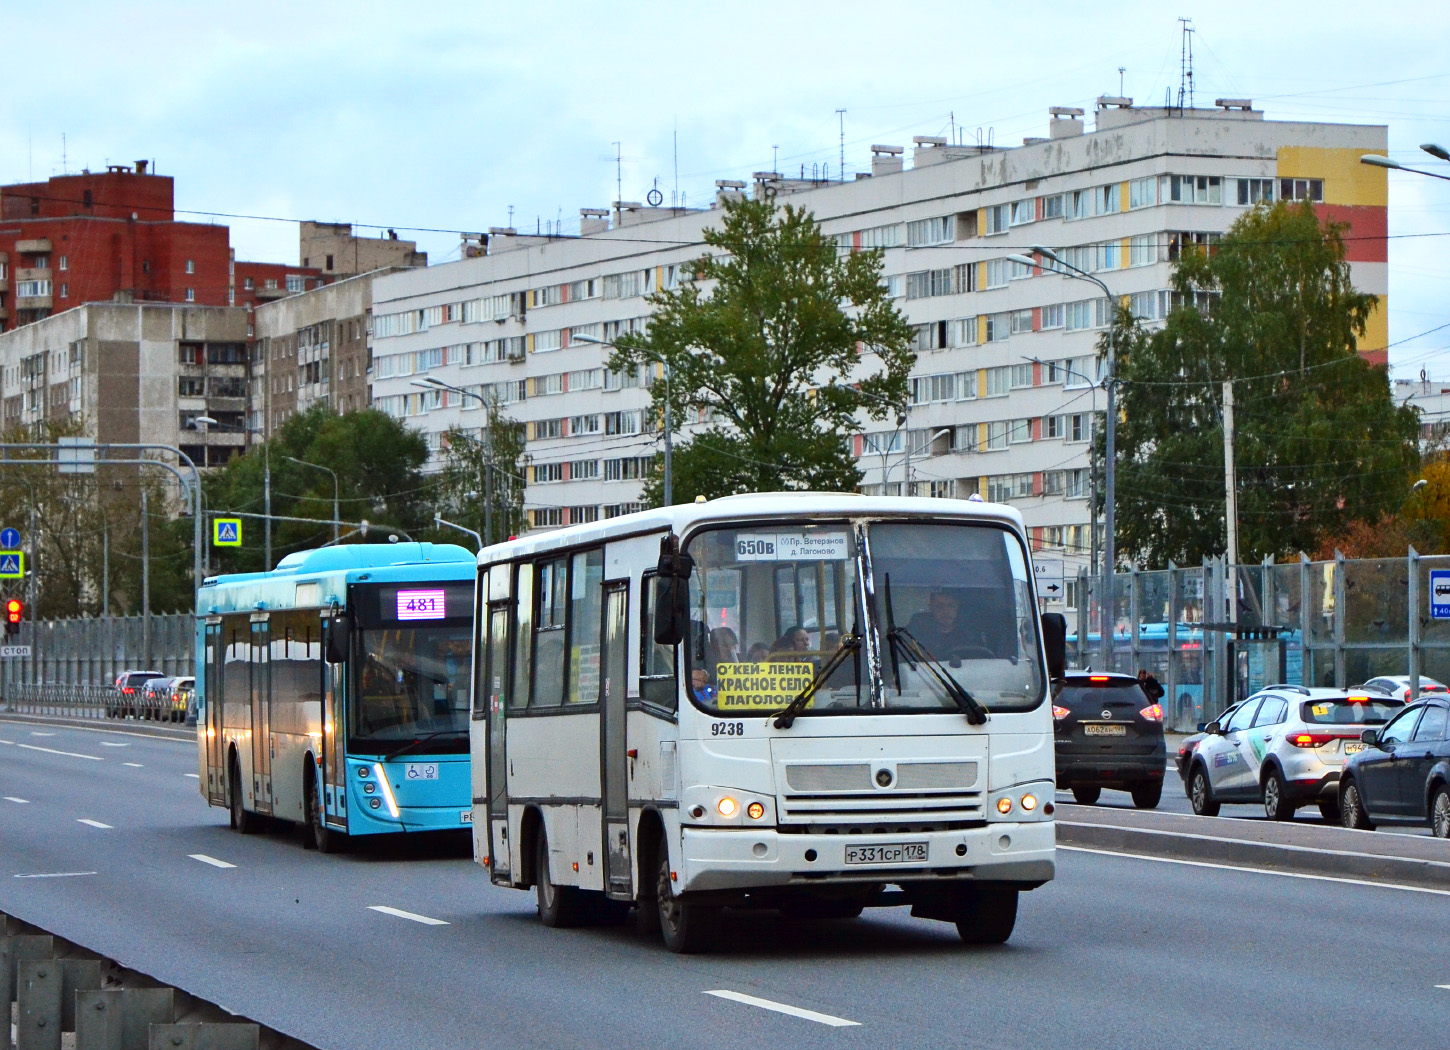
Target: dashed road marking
x=1258 y=871
x=210 y=860
x=783 y=1008
x=92 y=823
x=67 y=754
x=21 y=801
x=399 y=913
x=56 y=875
x=113 y=743
x=34 y=733
x=193 y=776
x=134 y=765
x=1444 y=986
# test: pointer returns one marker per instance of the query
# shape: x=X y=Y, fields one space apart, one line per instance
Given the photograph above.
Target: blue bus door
x=210 y=680
x=495 y=674
x=261 y=682
x=614 y=761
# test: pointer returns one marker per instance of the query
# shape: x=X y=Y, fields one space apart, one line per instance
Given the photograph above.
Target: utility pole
x=105 y=567
x=267 y=505
x=1230 y=500
x=145 y=579
x=841 y=114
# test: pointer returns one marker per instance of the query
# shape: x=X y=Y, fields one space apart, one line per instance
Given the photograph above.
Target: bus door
x=261 y=681
x=614 y=761
x=495 y=674
x=334 y=704
x=212 y=696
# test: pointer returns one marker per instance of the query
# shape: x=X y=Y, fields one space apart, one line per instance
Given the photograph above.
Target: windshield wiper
x=917 y=653
x=417 y=741
x=786 y=718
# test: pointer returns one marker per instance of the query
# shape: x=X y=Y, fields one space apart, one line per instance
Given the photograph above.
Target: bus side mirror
x=1054 y=638
x=339 y=638
x=672 y=593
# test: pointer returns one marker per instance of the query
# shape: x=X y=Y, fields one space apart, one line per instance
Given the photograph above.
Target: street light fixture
x=669 y=488
x=1376 y=161
x=434 y=383
x=205 y=422
x=1063 y=268
x=1436 y=151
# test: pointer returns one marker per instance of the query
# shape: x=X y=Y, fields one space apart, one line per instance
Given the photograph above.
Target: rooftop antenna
x=1121 y=71
x=1185 y=64
x=952 y=125
x=774 y=157
x=618 y=173
x=675 y=193
x=841 y=115
x=511 y=216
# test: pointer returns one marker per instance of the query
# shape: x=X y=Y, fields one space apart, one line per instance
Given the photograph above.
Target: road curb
x=1246 y=853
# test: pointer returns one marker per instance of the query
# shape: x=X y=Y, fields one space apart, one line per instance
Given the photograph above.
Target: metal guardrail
x=91 y=701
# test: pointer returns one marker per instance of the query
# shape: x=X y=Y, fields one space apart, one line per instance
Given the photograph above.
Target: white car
x=1284 y=747
x=1399 y=685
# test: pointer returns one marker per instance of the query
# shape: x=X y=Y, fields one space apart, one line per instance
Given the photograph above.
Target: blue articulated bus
x=333 y=691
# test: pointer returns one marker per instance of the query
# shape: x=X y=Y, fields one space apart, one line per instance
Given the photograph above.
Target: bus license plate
x=1092 y=730
x=889 y=853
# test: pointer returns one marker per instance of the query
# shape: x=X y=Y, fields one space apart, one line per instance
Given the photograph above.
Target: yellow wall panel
x=1123 y=196
x=1126 y=249
x=1377 y=329
x=1346 y=180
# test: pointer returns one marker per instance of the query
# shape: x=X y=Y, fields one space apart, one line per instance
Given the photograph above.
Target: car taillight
x=1318 y=739
x=1153 y=712
x=1099 y=678
x=1059 y=713
x=128 y=690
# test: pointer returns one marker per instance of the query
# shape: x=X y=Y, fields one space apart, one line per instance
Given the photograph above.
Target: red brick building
x=100 y=236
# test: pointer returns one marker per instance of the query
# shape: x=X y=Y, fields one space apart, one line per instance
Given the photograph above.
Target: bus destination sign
x=760 y=687
x=421 y=604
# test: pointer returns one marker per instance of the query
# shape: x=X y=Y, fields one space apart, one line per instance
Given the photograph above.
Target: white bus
x=810 y=702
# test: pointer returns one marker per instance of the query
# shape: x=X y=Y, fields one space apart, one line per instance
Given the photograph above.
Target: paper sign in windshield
x=791 y=546
x=760 y=687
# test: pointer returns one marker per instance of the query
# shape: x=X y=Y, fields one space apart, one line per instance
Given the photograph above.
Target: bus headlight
x=727 y=807
x=1004 y=805
x=755 y=811
x=1029 y=802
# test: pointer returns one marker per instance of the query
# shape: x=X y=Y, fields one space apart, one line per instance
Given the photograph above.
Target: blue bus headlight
x=375 y=802
x=369 y=788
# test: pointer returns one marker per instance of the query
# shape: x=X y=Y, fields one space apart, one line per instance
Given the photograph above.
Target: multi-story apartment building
x=1005 y=391
x=336 y=251
x=141 y=372
x=313 y=348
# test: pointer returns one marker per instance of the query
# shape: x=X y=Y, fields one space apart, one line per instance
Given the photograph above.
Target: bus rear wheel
x=241 y=821
x=686 y=927
x=559 y=906
x=987 y=914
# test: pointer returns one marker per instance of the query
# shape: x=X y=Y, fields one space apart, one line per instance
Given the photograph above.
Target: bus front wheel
x=987 y=914
x=685 y=926
x=319 y=836
x=241 y=821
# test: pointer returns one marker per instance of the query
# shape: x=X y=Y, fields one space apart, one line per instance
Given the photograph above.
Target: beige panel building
x=332 y=248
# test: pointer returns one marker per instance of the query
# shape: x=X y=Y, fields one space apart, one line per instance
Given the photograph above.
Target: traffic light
x=14 y=613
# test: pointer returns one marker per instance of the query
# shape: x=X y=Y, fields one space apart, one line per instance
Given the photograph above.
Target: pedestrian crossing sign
x=226 y=532
x=12 y=565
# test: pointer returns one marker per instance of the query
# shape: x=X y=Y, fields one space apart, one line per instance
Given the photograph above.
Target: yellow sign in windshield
x=760 y=687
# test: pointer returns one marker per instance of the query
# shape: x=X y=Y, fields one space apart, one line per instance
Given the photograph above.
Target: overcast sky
x=428 y=116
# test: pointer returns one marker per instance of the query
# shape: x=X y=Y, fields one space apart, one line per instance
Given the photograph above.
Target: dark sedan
x=1108 y=734
x=1403 y=775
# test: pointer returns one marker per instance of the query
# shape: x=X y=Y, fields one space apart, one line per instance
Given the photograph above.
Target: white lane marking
x=210 y=860
x=67 y=754
x=113 y=743
x=134 y=765
x=1444 y=986
x=21 y=801
x=193 y=776
x=56 y=875
x=782 y=1008
x=1260 y=871
x=7 y=742
x=406 y=915
x=34 y=733
x=92 y=823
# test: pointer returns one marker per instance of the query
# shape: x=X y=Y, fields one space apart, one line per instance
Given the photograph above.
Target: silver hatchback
x=1284 y=747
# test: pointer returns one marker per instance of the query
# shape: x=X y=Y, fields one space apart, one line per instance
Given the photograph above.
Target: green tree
x=477 y=468
x=1318 y=439
x=772 y=345
x=378 y=462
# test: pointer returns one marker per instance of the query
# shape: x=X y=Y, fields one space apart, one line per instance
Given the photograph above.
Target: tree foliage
x=477 y=468
x=772 y=346
x=378 y=462
x=1318 y=440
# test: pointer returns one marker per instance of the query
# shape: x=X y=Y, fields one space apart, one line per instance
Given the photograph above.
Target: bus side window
x=523 y=635
x=656 y=662
x=551 y=603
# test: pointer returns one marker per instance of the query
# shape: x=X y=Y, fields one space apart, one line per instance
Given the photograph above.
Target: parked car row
x=154 y=696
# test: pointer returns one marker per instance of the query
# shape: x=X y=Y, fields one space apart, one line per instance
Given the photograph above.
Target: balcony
x=33 y=246
x=32 y=302
x=266 y=294
x=4 y=314
x=30 y=273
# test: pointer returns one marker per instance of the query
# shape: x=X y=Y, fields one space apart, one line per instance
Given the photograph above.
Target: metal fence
x=91 y=701
x=93 y=650
x=1214 y=633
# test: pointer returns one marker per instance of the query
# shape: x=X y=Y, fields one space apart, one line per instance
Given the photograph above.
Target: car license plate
x=421 y=771
x=889 y=853
x=1354 y=748
x=1096 y=730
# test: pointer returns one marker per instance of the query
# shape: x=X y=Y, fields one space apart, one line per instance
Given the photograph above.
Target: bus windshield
x=774 y=606
x=412 y=685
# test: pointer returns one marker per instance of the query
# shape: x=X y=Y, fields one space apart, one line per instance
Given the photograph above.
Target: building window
x=1024 y=212
x=247 y=283
x=1078 y=483
x=1142 y=193
x=296 y=282
x=1302 y=190
x=1143 y=249
x=1080 y=426
x=999 y=218
x=1052 y=206
x=270 y=284
x=190 y=266
x=64 y=263
x=191 y=295
x=999 y=381
x=1021 y=321
x=1190 y=189
x=997 y=432
x=64 y=290
x=329 y=262
x=922 y=232
x=998 y=327
x=1052 y=316
x=1020 y=431
x=1021 y=375
x=1052 y=426
x=1254 y=191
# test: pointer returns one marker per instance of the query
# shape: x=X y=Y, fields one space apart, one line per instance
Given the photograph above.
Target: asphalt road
x=1118 y=952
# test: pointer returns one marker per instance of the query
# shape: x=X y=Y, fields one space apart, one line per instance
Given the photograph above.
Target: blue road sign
x=12 y=565
x=9 y=538
x=226 y=532
x=1440 y=594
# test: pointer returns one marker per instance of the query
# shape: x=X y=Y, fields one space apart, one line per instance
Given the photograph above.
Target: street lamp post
x=1374 y=160
x=1110 y=435
x=205 y=422
x=335 y=500
x=433 y=383
x=669 y=487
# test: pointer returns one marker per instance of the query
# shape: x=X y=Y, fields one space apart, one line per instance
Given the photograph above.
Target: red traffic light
x=14 y=610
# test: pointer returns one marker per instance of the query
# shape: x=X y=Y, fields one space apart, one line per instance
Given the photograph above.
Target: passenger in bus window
x=724 y=646
x=759 y=653
x=795 y=643
x=701 y=687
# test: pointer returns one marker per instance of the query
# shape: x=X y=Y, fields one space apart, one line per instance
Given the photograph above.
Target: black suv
x=1108 y=734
